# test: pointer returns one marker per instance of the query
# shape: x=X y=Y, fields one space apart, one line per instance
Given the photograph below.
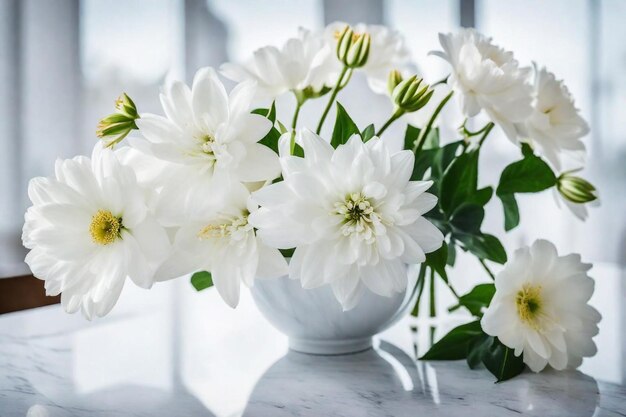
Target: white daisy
x=487 y=77
x=218 y=238
x=88 y=228
x=541 y=308
x=298 y=65
x=210 y=137
x=352 y=214
x=555 y=125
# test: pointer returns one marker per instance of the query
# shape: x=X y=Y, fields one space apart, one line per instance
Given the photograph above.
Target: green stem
x=294 y=122
x=333 y=95
x=486 y=129
x=419 y=286
x=482 y=262
x=424 y=134
x=433 y=310
x=395 y=116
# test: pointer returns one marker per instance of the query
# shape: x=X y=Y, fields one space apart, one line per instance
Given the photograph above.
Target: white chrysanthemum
x=218 y=238
x=88 y=229
x=555 y=126
x=487 y=77
x=294 y=67
x=387 y=52
x=353 y=215
x=210 y=137
x=541 y=308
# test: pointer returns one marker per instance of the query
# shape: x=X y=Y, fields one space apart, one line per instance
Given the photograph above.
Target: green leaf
x=455 y=344
x=287 y=253
x=344 y=128
x=468 y=218
x=459 y=181
x=271 y=139
x=480 y=296
x=476 y=348
x=437 y=260
x=482 y=196
x=432 y=140
x=484 y=246
x=368 y=133
x=501 y=361
x=451 y=253
x=410 y=136
x=202 y=280
x=269 y=113
x=511 y=211
x=529 y=175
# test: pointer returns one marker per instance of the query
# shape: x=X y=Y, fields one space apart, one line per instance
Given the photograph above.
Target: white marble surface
x=172 y=352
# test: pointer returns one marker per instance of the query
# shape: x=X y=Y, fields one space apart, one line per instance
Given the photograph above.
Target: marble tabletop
x=173 y=352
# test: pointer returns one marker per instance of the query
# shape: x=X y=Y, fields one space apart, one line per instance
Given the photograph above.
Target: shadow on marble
x=121 y=401
x=387 y=382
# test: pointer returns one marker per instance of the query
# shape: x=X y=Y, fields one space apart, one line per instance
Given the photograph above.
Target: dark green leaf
x=459 y=181
x=437 y=261
x=410 y=136
x=423 y=161
x=480 y=296
x=484 y=246
x=481 y=197
x=344 y=128
x=529 y=175
x=432 y=140
x=287 y=253
x=271 y=139
x=368 y=133
x=269 y=113
x=455 y=344
x=501 y=361
x=444 y=157
x=468 y=218
x=476 y=348
x=202 y=280
x=451 y=253
x=511 y=211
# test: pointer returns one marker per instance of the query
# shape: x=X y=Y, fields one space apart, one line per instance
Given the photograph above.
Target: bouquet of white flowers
x=228 y=193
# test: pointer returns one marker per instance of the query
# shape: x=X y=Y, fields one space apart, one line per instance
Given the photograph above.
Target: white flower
x=352 y=214
x=555 y=125
x=387 y=52
x=487 y=77
x=299 y=64
x=210 y=136
x=88 y=228
x=218 y=238
x=540 y=308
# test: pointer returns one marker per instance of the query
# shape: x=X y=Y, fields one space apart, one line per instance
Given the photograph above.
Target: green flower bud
x=576 y=189
x=353 y=48
x=395 y=78
x=116 y=126
x=411 y=95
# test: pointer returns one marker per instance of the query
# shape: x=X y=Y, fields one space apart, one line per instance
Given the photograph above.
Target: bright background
x=63 y=62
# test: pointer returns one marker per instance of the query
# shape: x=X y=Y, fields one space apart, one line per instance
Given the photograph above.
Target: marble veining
x=180 y=354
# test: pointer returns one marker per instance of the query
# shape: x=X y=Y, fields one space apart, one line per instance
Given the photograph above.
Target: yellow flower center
x=359 y=217
x=226 y=229
x=528 y=302
x=206 y=143
x=105 y=228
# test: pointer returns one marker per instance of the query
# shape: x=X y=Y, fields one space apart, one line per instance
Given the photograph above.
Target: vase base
x=329 y=347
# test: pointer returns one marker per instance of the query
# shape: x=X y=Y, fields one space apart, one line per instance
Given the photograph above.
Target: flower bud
x=576 y=189
x=116 y=126
x=353 y=48
x=395 y=78
x=410 y=95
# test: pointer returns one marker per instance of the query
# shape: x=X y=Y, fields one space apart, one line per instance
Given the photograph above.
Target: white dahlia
x=540 y=308
x=296 y=66
x=352 y=214
x=210 y=137
x=218 y=238
x=88 y=229
x=555 y=126
x=485 y=76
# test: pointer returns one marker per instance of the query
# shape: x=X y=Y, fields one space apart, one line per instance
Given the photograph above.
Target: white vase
x=315 y=322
